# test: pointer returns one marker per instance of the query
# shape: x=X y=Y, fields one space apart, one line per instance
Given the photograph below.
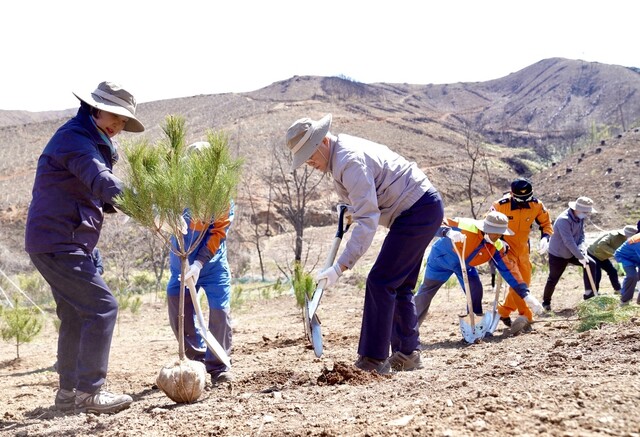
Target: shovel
x=495 y=317
x=470 y=331
x=209 y=339
x=311 y=322
x=591 y=281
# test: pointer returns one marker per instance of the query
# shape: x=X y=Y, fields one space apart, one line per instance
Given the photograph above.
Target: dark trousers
x=611 y=271
x=429 y=288
x=195 y=347
x=389 y=317
x=87 y=311
x=557 y=267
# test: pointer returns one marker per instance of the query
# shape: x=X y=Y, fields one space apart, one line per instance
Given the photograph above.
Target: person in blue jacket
x=628 y=255
x=74 y=186
x=209 y=267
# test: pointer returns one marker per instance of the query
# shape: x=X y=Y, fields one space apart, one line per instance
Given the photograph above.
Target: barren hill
x=536 y=122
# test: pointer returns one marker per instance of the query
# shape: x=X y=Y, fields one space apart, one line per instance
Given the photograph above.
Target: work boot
x=221 y=377
x=367 y=364
x=506 y=321
x=399 y=361
x=65 y=399
x=101 y=402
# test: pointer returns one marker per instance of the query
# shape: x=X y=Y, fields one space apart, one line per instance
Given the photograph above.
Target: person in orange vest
x=483 y=244
x=524 y=211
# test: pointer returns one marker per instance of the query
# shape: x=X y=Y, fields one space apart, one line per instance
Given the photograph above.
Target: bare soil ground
x=553 y=381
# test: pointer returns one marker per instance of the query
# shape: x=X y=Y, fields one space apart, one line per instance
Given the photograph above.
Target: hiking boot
x=101 y=402
x=399 y=361
x=65 y=399
x=506 y=321
x=588 y=295
x=367 y=364
x=221 y=377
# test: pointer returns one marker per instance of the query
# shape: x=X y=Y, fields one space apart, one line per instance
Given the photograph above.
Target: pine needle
x=601 y=310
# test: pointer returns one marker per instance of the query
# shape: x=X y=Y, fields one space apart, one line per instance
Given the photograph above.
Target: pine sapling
x=21 y=325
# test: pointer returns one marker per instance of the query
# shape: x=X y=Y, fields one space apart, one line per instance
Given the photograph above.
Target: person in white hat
x=568 y=246
x=74 y=186
x=603 y=248
x=483 y=244
x=383 y=188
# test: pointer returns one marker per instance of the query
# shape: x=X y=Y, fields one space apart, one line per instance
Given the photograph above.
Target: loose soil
x=551 y=381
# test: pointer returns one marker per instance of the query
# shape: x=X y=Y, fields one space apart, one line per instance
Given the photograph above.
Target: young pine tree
x=20 y=325
x=164 y=182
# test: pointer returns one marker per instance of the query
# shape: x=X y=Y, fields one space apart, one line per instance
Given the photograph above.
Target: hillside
x=536 y=122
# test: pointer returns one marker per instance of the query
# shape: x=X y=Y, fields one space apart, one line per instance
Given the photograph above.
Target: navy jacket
x=73 y=186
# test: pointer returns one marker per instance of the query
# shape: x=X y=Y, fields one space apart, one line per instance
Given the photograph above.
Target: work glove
x=534 y=304
x=455 y=236
x=585 y=260
x=331 y=275
x=193 y=272
x=166 y=227
x=543 y=245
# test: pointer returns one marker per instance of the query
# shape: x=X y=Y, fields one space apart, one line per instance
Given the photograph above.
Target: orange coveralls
x=522 y=216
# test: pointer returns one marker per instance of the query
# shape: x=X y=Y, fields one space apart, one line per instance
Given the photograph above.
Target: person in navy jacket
x=74 y=186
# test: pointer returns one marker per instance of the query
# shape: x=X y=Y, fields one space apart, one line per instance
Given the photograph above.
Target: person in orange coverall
x=523 y=210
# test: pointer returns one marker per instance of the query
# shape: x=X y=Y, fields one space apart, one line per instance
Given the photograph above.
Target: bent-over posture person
x=384 y=189
x=567 y=246
x=483 y=244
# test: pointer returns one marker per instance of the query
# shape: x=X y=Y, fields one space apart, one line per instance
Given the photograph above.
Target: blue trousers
x=389 y=318
x=87 y=311
x=629 y=282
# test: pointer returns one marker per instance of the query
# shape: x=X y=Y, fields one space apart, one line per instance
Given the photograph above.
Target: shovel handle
x=591 y=281
x=465 y=279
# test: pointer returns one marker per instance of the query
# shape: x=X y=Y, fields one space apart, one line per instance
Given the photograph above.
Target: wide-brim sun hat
x=495 y=223
x=628 y=231
x=304 y=136
x=112 y=98
x=582 y=204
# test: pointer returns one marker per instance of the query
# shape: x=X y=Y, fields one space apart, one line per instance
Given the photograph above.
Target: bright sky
x=160 y=49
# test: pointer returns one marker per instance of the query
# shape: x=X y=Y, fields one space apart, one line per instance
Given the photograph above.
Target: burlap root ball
x=182 y=381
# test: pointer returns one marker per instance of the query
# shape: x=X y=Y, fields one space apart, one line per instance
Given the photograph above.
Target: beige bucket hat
x=582 y=204
x=495 y=223
x=304 y=136
x=112 y=98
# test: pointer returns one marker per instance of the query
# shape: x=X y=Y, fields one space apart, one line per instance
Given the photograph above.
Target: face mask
x=581 y=215
x=487 y=239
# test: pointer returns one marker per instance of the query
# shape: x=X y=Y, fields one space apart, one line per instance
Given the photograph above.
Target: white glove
x=584 y=261
x=533 y=304
x=455 y=236
x=331 y=275
x=543 y=245
x=193 y=272
x=166 y=227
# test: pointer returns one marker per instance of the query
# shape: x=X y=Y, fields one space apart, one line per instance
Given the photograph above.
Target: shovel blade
x=316 y=336
x=306 y=320
x=467 y=330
